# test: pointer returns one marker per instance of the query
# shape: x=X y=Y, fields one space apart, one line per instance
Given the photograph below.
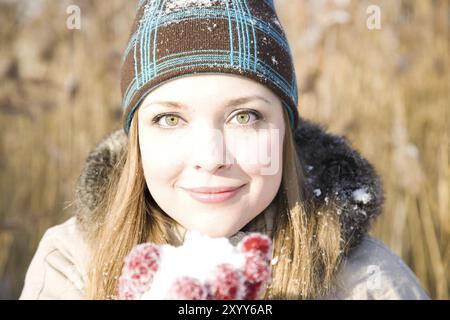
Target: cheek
x=160 y=159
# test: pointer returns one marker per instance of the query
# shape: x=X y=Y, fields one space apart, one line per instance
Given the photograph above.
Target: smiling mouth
x=214 y=197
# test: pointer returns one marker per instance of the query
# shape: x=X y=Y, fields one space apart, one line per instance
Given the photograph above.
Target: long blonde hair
x=305 y=237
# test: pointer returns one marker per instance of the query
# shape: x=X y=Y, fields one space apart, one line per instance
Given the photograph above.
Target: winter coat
x=369 y=270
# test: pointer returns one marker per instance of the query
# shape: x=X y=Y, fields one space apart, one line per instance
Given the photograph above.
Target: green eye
x=244 y=118
x=171 y=120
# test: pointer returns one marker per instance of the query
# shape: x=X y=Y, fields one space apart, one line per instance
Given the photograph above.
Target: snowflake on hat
x=202 y=268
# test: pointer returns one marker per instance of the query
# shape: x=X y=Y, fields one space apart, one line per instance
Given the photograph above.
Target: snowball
x=196 y=258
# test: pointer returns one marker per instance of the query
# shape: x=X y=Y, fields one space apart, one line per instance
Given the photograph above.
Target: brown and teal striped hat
x=172 y=38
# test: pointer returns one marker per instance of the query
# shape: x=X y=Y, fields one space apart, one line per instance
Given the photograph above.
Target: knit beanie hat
x=172 y=38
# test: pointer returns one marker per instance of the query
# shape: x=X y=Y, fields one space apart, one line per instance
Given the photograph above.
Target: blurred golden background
x=387 y=89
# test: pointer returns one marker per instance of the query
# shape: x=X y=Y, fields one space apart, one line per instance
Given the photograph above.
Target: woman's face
x=208 y=131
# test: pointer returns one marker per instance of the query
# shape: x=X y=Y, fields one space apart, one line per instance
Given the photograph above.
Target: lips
x=213 y=195
x=212 y=190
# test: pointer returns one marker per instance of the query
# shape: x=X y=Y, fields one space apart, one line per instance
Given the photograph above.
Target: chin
x=217 y=232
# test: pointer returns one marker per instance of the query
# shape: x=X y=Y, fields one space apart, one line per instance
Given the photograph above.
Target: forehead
x=219 y=87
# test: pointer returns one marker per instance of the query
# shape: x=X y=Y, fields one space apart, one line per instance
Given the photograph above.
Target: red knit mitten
x=202 y=268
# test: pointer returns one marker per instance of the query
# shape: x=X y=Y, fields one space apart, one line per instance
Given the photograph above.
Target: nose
x=209 y=153
x=211 y=168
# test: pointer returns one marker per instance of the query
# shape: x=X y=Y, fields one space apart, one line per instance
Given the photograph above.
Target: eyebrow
x=231 y=103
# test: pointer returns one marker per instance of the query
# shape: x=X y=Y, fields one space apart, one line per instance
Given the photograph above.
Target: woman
x=210 y=105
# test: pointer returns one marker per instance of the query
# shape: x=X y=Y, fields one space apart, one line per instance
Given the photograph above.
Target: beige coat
x=334 y=171
x=372 y=271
